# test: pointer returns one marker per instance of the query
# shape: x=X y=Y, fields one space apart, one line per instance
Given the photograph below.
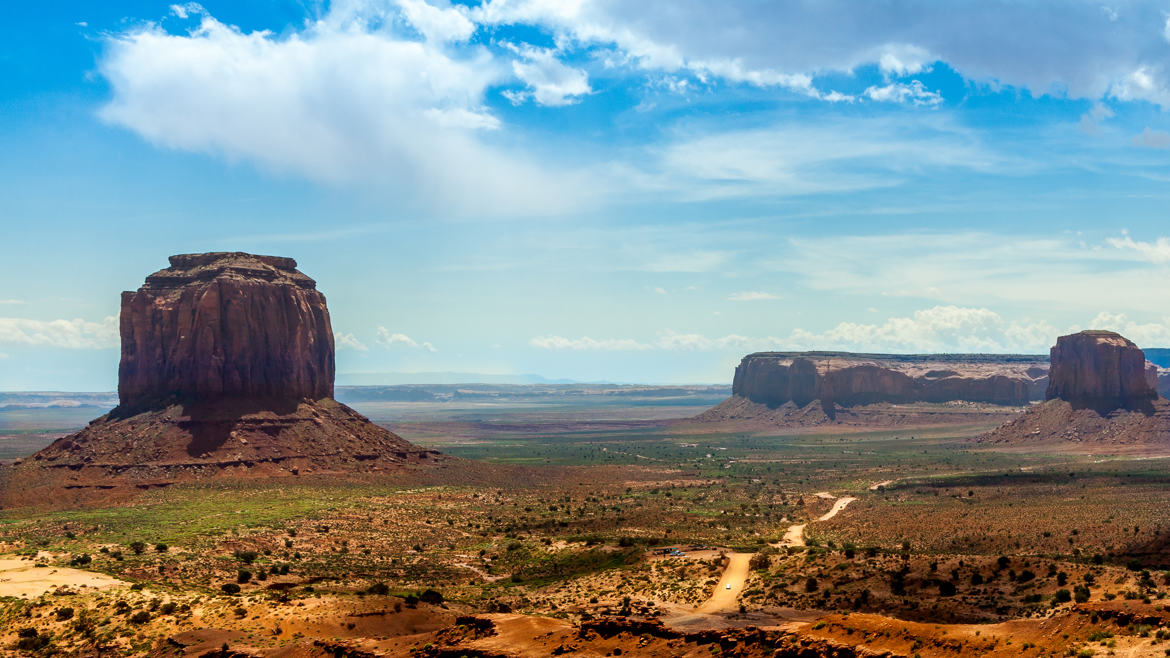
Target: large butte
x=227 y=370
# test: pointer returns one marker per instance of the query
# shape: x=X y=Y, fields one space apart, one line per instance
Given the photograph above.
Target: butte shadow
x=227 y=370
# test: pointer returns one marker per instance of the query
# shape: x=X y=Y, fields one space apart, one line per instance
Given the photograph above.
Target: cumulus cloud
x=346 y=341
x=388 y=339
x=936 y=329
x=345 y=100
x=1145 y=334
x=1152 y=139
x=751 y=296
x=70 y=334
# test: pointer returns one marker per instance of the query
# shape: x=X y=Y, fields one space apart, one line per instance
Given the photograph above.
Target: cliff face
x=1101 y=370
x=225 y=325
x=774 y=378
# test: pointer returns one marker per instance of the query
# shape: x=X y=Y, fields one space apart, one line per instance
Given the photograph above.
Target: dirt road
x=724 y=599
x=841 y=504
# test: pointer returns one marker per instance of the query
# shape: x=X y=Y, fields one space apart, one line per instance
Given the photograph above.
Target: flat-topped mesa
x=225 y=324
x=1101 y=370
x=848 y=379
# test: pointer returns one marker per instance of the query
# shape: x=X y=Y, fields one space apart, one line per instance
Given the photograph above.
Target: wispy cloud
x=346 y=341
x=388 y=339
x=751 y=296
x=1157 y=251
x=70 y=334
x=11 y=301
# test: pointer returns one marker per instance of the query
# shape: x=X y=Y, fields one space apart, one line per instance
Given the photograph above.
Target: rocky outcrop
x=845 y=379
x=1101 y=370
x=227 y=370
x=1102 y=395
x=222 y=325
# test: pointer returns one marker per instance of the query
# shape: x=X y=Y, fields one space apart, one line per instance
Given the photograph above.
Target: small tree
x=137 y=547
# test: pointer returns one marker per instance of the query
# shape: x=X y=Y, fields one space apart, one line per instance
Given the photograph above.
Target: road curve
x=841 y=504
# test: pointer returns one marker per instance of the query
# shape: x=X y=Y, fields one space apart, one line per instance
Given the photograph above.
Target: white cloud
x=3 y=355
x=1083 y=51
x=751 y=296
x=913 y=92
x=1147 y=334
x=346 y=341
x=815 y=157
x=11 y=301
x=935 y=329
x=70 y=334
x=551 y=82
x=345 y=101
x=901 y=59
x=659 y=291
x=1152 y=139
x=388 y=339
x=437 y=23
x=1157 y=251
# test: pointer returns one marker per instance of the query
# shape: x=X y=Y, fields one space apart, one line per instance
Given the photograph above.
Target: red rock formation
x=225 y=325
x=1100 y=370
x=227 y=370
x=775 y=378
x=1101 y=393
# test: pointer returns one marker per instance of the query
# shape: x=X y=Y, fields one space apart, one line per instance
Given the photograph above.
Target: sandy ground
x=22 y=578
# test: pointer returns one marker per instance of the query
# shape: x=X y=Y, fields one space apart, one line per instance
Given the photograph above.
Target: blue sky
x=589 y=189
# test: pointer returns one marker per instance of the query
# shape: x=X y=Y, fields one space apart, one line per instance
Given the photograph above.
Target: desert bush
x=230 y=588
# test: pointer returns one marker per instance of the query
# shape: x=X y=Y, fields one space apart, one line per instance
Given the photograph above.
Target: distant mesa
x=809 y=388
x=227 y=370
x=1101 y=391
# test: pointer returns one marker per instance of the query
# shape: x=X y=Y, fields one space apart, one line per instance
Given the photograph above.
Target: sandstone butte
x=227 y=369
x=1101 y=392
x=814 y=388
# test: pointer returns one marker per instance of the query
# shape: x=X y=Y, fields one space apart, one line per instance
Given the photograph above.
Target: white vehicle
x=727 y=586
